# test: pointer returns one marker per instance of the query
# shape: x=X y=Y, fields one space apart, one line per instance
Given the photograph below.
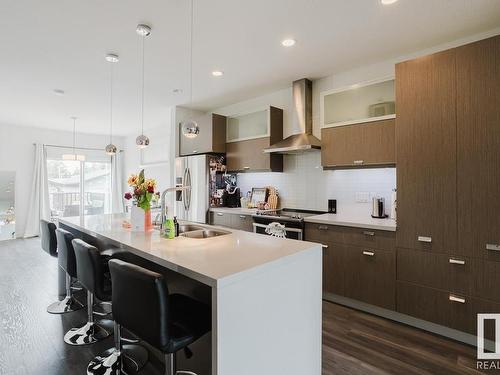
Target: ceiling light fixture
x=58 y=92
x=288 y=42
x=110 y=149
x=190 y=128
x=142 y=141
x=388 y=2
x=74 y=155
x=217 y=73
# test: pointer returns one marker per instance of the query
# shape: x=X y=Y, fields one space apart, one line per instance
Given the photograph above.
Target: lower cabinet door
x=370 y=276
x=437 y=306
x=333 y=268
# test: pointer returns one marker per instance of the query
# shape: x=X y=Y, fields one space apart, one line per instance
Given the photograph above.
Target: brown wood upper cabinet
x=478 y=145
x=247 y=153
x=212 y=136
x=426 y=153
x=357 y=145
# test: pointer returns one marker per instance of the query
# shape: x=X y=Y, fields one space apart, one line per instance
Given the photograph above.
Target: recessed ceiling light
x=388 y=2
x=58 y=92
x=177 y=91
x=112 y=58
x=217 y=73
x=288 y=43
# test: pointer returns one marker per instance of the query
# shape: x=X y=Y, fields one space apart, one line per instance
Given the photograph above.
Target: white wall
x=17 y=154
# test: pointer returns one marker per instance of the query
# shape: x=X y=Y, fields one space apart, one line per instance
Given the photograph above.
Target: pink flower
x=128 y=196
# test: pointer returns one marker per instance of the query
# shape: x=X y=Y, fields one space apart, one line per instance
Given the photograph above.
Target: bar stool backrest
x=140 y=302
x=48 y=237
x=89 y=267
x=65 y=251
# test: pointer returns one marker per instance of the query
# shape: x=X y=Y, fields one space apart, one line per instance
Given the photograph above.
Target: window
x=79 y=188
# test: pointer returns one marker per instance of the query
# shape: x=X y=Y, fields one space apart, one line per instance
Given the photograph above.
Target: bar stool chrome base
x=68 y=304
x=121 y=359
x=90 y=333
x=129 y=360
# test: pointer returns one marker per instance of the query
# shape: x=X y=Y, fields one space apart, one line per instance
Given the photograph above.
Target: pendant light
x=74 y=155
x=111 y=148
x=190 y=128
x=142 y=141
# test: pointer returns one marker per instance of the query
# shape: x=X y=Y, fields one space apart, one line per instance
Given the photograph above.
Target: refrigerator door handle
x=187 y=193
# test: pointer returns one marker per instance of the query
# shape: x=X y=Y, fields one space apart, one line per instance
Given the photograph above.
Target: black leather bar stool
x=90 y=270
x=48 y=237
x=142 y=304
x=67 y=261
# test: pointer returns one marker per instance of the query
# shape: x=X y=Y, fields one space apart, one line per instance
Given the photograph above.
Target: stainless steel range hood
x=301 y=119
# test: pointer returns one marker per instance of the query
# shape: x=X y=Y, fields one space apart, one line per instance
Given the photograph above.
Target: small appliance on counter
x=231 y=197
x=332 y=206
x=378 y=208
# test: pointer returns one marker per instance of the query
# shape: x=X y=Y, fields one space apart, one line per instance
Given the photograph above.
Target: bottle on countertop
x=169 y=229
x=176 y=227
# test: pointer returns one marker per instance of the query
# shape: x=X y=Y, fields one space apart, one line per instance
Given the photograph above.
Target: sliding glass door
x=78 y=188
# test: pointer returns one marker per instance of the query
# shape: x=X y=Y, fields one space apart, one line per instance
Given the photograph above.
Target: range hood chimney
x=301 y=119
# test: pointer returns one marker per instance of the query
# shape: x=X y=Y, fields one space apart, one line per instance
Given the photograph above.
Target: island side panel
x=270 y=322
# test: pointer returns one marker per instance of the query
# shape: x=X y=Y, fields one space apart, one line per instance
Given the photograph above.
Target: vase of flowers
x=143 y=191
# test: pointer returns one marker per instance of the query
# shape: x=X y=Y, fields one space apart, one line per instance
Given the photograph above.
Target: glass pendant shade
x=110 y=149
x=142 y=141
x=190 y=129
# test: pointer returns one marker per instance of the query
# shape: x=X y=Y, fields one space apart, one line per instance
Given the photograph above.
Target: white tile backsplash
x=304 y=184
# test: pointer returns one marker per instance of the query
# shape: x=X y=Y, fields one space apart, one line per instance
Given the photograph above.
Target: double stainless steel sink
x=198 y=231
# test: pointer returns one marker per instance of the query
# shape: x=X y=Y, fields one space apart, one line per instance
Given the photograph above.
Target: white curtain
x=39 y=207
x=117 y=183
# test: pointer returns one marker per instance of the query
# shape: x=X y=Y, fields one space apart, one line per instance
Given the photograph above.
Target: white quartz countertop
x=352 y=220
x=235 y=210
x=214 y=261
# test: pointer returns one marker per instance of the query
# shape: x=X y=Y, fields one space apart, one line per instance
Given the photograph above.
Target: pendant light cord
x=142 y=88
x=191 y=55
x=111 y=105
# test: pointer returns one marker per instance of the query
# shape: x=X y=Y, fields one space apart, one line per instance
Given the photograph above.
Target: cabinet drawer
x=242 y=222
x=375 y=239
x=333 y=268
x=323 y=233
x=220 y=218
x=370 y=276
x=453 y=273
x=437 y=306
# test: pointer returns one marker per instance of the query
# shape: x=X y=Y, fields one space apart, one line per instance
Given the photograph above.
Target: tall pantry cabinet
x=448 y=177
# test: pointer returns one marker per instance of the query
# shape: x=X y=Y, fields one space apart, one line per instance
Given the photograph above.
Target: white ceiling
x=60 y=44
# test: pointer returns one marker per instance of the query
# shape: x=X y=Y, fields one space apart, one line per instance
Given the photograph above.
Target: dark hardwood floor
x=353 y=342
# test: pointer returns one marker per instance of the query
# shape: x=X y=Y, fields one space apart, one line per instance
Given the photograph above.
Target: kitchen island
x=265 y=292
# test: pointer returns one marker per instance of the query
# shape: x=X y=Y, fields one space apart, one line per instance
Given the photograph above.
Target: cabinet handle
x=457 y=261
x=323 y=227
x=220 y=214
x=358 y=162
x=424 y=239
x=456 y=299
x=243 y=217
x=246 y=167
x=368 y=253
x=493 y=247
x=369 y=233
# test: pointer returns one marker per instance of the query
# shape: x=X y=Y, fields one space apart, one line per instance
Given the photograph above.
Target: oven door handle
x=296 y=230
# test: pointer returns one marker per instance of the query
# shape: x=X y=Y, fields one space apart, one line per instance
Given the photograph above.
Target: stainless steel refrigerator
x=192 y=204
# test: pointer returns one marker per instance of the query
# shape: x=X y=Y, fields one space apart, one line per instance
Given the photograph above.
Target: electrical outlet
x=362 y=197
